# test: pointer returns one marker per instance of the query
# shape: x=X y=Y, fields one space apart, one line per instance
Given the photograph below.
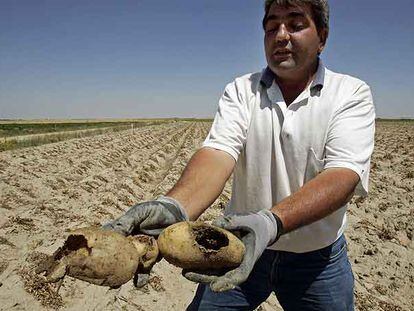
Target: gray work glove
x=260 y=229
x=149 y=217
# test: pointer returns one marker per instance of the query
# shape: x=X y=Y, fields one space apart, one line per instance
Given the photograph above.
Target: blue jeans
x=317 y=280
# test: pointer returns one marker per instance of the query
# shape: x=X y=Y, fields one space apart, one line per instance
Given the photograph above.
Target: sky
x=146 y=58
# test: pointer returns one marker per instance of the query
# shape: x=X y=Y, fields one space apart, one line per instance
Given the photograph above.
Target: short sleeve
x=229 y=130
x=350 y=138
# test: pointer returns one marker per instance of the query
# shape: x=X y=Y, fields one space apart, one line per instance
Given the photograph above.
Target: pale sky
x=132 y=59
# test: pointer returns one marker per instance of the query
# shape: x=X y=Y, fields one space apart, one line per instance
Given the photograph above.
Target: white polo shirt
x=279 y=148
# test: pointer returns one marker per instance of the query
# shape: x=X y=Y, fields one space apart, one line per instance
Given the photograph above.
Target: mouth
x=282 y=53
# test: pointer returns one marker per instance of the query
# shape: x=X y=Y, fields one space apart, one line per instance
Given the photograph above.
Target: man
x=298 y=138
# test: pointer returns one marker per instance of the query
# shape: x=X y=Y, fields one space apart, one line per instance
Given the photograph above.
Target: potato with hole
x=200 y=246
x=101 y=257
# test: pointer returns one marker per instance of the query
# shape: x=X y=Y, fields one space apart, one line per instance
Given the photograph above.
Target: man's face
x=291 y=40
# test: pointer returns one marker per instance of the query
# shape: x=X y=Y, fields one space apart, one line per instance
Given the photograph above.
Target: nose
x=282 y=34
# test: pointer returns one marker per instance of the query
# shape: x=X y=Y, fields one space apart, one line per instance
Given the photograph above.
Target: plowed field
x=46 y=190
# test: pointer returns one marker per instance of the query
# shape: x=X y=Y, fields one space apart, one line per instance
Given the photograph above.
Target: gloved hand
x=149 y=217
x=261 y=230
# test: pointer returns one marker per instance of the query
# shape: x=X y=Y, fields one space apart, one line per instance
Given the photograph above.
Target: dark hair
x=320 y=10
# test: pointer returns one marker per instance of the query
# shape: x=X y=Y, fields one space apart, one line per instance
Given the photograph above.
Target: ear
x=323 y=36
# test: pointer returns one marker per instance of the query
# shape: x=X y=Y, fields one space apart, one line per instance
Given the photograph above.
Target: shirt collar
x=319 y=79
x=268 y=76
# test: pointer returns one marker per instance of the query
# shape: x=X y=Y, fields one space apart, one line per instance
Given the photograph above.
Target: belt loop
x=275 y=268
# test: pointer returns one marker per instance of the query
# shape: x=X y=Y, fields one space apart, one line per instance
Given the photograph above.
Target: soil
x=47 y=190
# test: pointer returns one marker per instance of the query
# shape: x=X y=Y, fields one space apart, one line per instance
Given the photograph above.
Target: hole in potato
x=210 y=238
x=73 y=243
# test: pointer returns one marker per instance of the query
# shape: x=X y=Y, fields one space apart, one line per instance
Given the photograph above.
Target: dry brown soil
x=47 y=190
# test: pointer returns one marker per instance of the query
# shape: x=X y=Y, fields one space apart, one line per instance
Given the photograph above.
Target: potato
x=200 y=246
x=148 y=247
x=101 y=257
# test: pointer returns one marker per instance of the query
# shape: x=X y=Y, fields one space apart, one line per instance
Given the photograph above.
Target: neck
x=292 y=86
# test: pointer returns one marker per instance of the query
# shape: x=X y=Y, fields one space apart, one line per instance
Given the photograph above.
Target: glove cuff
x=272 y=225
x=280 y=229
x=182 y=213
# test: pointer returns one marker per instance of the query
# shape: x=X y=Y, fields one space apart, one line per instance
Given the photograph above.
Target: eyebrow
x=290 y=15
